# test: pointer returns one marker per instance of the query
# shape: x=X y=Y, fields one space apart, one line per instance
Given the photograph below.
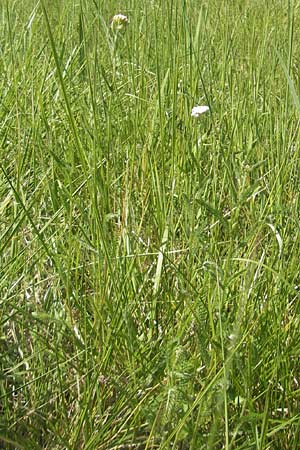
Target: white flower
x=198 y=110
x=118 y=22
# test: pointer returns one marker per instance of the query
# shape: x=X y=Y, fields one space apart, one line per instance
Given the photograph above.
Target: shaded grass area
x=149 y=262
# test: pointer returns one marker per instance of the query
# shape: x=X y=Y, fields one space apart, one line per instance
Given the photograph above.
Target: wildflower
x=198 y=110
x=118 y=22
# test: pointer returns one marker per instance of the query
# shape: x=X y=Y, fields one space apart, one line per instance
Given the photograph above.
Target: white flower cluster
x=118 y=22
x=198 y=110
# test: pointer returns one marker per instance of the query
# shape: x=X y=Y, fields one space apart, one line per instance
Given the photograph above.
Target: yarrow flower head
x=198 y=110
x=118 y=22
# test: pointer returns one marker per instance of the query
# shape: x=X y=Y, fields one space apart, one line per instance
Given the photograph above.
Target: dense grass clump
x=149 y=259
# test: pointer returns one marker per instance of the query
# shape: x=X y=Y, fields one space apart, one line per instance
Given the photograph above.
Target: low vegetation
x=149 y=257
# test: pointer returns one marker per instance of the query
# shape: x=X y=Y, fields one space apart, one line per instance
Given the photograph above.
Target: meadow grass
x=149 y=260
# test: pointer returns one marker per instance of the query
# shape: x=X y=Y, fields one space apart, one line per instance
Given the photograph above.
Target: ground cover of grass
x=149 y=261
